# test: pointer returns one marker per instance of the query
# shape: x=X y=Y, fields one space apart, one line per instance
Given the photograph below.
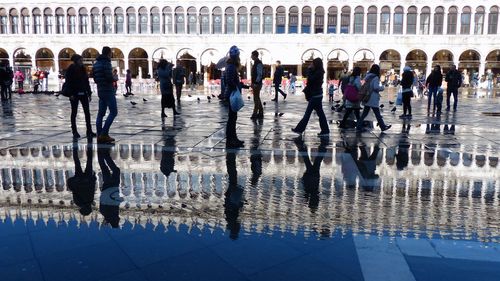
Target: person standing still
x=277 y=78
x=166 y=87
x=407 y=92
x=19 y=76
x=115 y=80
x=179 y=79
x=77 y=81
x=257 y=76
x=128 y=83
x=103 y=77
x=433 y=82
x=454 y=81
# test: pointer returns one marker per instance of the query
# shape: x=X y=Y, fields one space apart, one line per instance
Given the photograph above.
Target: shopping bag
x=236 y=100
x=399 y=99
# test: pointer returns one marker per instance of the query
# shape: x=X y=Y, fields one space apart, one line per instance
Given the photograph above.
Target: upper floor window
x=143 y=20
x=425 y=16
x=95 y=18
x=217 y=20
x=3 y=21
x=167 y=20
x=131 y=21
x=411 y=20
x=229 y=18
x=280 y=20
x=255 y=20
x=155 y=20
x=438 y=20
x=479 y=20
x=268 y=20
x=345 y=19
x=119 y=21
x=385 y=20
x=14 y=21
x=493 y=20
x=398 y=21
x=332 y=20
x=25 y=18
x=465 y=21
x=71 y=21
x=371 y=19
x=452 y=20
x=107 y=24
x=84 y=21
x=319 y=20
x=306 y=20
x=59 y=21
x=49 y=21
x=179 y=20
x=359 y=15
x=192 y=21
x=242 y=20
x=293 y=20
x=204 y=21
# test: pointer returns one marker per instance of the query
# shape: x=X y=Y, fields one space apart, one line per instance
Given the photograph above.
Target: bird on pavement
x=337 y=101
x=213 y=95
x=248 y=97
x=264 y=103
x=391 y=102
x=133 y=102
x=381 y=106
x=281 y=114
x=393 y=109
x=198 y=99
x=189 y=95
x=144 y=100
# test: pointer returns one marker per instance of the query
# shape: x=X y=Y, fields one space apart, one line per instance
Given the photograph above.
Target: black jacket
x=77 y=79
x=314 y=85
x=278 y=75
x=407 y=80
x=435 y=79
x=454 y=79
x=103 y=75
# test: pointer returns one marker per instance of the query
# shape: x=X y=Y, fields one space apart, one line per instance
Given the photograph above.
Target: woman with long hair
x=166 y=87
x=232 y=81
x=314 y=95
x=354 y=81
x=373 y=78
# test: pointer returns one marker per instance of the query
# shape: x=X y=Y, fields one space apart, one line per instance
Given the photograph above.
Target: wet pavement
x=418 y=202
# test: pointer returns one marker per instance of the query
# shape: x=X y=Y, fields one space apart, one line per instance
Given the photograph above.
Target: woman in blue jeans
x=314 y=95
x=433 y=82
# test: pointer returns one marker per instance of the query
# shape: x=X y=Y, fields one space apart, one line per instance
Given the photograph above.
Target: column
x=405 y=23
x=223 y=22
x=249 y=22
x=249 y=69
x=339 y=15
x=431 y=23
x=325 y=21
x=274 y=21
x=471 y=27
x=445 y=23
x=210 y=25
x=378 y=23
x=365 y=22
x=286 y=20
x=351 y=22
x=418 y=24
x=428 y=69
x=325 y=77
x=486 y=22
x=150 y=67
x=299 y=69
x=482 y=67
x=299 y=26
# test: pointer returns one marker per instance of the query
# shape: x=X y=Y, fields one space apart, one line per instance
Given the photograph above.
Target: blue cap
x=234 y=52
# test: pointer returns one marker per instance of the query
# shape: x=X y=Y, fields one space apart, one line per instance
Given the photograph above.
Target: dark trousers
x=4 y=92
x=366 y=110
x=348 y=112
x=231 y=125
x=432 y=95
x=407 y=103
x=454 y=92
x=84 y=100
x=277 y=90
x=20 y=85
x=128 y=88
x=178 y=91
x=316 y=104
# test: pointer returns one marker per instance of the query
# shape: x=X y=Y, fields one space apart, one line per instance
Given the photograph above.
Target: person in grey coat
x=373 y=77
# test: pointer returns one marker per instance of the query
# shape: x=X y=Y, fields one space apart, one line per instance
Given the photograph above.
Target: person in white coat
x=373 y=77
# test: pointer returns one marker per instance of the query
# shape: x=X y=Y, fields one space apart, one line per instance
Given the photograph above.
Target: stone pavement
x=418 y=202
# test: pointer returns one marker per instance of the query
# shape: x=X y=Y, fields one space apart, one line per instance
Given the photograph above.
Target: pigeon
x=337 y=101
x=209 y=97
x=248 y=97
x=264 y=103
x=381 y=106
x=133 y=102
x=189 y=95
x=198 y=99
x=391 y=102
x=144 y=100
x=125 y=95
x=393 y=109
x=213 y=95
x=281 y=114
x=337 y=105
x=333 y=107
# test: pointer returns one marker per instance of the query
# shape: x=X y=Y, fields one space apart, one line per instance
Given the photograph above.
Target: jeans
x=316 y=104
x=84 y=100
x=432 y=96
x=407 y=103
x=20 y=85
x=455 y=98
x=178 y=91
x=4 y=92
x=348 y=112
x=257 y=104
x=277 y=90
x=105 y=102
x=128 y=88
x=366 y=110
x=231 y=125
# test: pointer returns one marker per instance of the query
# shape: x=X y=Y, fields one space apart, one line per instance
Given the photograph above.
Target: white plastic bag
x=236 y=100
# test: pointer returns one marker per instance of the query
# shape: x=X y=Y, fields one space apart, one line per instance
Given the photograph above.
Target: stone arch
x=363 y=58
x=469 y=61
x=64 y=58
x=390 y=61
x=118 y=60
x=493 y=61
x=417 y=59
x=44 y=59
x=22 y=61
x=89 y=56
x=338 y=61
x=443 y=58
x=209 y=59
x=138 y=63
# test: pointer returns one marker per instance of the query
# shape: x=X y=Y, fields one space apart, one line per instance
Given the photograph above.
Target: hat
x=407 y=68
x=234 y=52
x=75 y=57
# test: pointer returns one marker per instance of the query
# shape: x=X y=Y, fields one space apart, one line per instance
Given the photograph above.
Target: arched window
x=438 y=20
x=131 y=21
x=192 y=20
x=229 y=18
x=255 y=18
x=465 y=21
x=345 y=20
x=84 y=21
x=385 y=20
x=280 y=19
x=59 y=21
x=107 y=21
x=452 y=20
x=359 y=14
x=179 y=20
x=425 y=16
x=217 y=20
x=411 y=20
x=493 y=20
x=167 y=20
x=119 y=20
x=319 y=20
x=332 y=20
x=306 y=20
x=371 y=20
x=48 y=21
x=293 y=20
x=242 y=20
x=479 y=20
x=3 y=21
x=143 y=20
x=14 y=21
x=155 y=20
x=398 y=20
x=268 y=20
x=25 y=18
x=71 y=21
x=94 y=17
x=204 y=20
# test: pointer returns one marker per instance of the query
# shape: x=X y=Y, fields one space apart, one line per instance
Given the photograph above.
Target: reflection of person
x=82 y=184
x=167 y=162
x=234 y=199
x=312 y=176
x=402 y=156
x=166 y=87
x=256 y=155
x=367 y=165
x=109 y=201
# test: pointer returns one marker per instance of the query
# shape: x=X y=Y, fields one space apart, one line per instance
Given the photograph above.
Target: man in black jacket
x=454 y=80
x=257 y=76
x=278 y=75
x=103 y=77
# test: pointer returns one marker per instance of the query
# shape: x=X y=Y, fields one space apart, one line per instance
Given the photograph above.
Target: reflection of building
x=199 y=33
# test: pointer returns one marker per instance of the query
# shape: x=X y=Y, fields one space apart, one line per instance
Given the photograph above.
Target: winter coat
x=314 y=86
x=435 y=79
x=165 y=77
x=454 y=79
x=77 y=79
x=103 y=76
x=232 y=80
x=356 y=82
x=278 y=75
x=375 y=89
x=407 y=81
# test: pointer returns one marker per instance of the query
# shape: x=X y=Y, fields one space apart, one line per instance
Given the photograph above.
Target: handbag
x=236 y=100
x=65 y=90
x=399 y=99
x=351 y=93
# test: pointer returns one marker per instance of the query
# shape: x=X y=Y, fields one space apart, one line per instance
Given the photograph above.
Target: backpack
x=351 y=93
x=365 y=91
x=344 y=81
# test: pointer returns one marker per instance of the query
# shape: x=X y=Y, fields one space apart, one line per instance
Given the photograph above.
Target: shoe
x=234 y=143
x=323 y=134
x=385 y=128
x=296 y=131
x=284 y=96
x=275 y=100
x=105 y=139
x=409 y=116
x=76 y=135
x=176 y=113
x=91 y=134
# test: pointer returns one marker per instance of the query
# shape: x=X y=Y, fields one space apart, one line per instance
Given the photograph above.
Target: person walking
x=355 y=81
x=166 y=87
x=232 y=81
x=4 y=81
x=19 y=76
x=374 y=88
x=128 y=83
x=77 y=82
x=314 y=95
x=407 y=83
x=489 y=79
x=277 y=78
x=257 y=76
x=433 y=82
x=103 y=77
x=293 y=81
x=179 y=79
x=454 y=81
x=115 y=80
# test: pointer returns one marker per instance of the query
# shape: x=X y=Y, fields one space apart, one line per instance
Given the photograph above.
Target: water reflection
x=233 y=198
x=82 y=184
x=109 y=201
